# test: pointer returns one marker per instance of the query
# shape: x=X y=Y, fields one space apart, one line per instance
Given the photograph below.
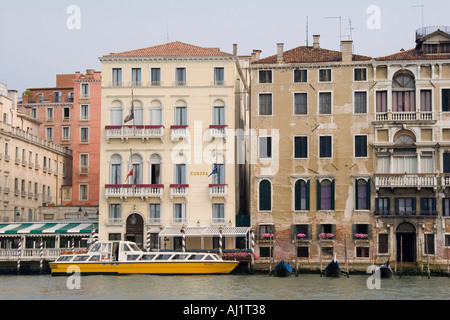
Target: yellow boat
x=124 y=257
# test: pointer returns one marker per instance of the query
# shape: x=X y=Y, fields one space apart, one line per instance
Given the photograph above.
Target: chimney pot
x=316 y=44
x=280 y=53
x=347 y=50
x=234 y=49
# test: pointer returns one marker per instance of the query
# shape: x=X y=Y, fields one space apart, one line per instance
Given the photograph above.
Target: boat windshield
x=180 y=257
x=196 y=257
x=147 y=257
x=65 y=258
x=81 y=258
x=134 y=247
x=95 y=258
x=163 y=257
x=95 y=247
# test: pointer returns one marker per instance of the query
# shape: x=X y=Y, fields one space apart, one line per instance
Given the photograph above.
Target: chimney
x=347 y=50
x=256 y=54
x=316 y=44
x=280 y=53
x=90 y=72
x=235 y=49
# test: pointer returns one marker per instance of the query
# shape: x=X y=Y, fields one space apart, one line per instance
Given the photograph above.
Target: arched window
x=362 y=194
x=155 y=169
x=116 y=113
x=325 y=194
x=265 y=195
x=219 y=113
x=138 y=113
x=155 y=113
x=403 y=93
x=115 y=169
x=301 y=195
x=180 y=113
x=135 y=170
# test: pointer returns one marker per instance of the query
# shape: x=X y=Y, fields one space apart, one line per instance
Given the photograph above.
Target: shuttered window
x=325 y=195
x=302 y=195
x=360 y=146
x=300 y=147
x=325 y=147
x=265 y=195
x=362 y=194
x=383 y=243
x=445 y=100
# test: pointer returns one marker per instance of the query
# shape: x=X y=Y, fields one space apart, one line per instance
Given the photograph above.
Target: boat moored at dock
x=124 y=257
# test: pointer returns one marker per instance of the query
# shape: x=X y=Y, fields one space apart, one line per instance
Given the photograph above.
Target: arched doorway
x=406 y=242
x=135 y=229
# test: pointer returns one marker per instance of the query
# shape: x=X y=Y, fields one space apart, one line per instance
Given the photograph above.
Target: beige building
x=312 y=163
x=157 y=165
x=32 y=169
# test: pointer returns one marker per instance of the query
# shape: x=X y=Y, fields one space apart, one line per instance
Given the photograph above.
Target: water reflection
x=225 y=287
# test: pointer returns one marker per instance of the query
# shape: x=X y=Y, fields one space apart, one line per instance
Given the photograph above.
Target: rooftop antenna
x=351 y=29
x=307 y=35
x=340 y=27
x=167 y=29
x=423 y=20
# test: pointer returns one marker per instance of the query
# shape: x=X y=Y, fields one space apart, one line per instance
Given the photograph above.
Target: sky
x=39 y=39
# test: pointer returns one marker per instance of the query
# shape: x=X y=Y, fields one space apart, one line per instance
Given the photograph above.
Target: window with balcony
x=265 y=195
x=116 y=113
x=155 y=113
x=219 y=113
x=300 y=103
x=405 y=206
x=155 y=169
x=180 y=174
x=219 y=76
x=403 y=94
x=138 y=110
x=218 y=213
x=115 y=169
x=181 y=115
x=57 y=96
x=154 y=212
x=301 y=196
x=425 y=101
x=179 y=212
x=219 y=177
x=382 y=206
x=136 y=168
x=155 y=77
x=325 y=194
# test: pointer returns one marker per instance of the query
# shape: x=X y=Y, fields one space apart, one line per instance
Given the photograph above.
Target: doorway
x=135 y=229
x=406 y=242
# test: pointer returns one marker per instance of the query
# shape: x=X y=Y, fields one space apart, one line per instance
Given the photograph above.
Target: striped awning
x=34 y=228
x=205 y=231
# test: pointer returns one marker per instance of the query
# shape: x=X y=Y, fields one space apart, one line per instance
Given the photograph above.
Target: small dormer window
x=445 y=47
x=431 y=48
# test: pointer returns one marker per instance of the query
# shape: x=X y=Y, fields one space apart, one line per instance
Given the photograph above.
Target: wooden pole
x=428 y=256
x=345 y=254
x=296 y=255
x=252 y=248
x=320 y=256
x=401 y=255
x=271 y=253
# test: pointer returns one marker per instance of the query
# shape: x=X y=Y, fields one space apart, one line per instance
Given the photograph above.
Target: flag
x=215 y=170
x=129 y=174
x=131 y=115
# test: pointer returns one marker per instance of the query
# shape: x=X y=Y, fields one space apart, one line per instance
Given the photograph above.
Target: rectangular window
x=219 y=76
x=180 y=116
x=446 y=207
x=425 y=100
x=265 y=147
x=265 y=104
x=180 y=174
x=115 y=211
x=360 y=146
x=57 y=96
x=180 y=77
x=66 y=133
x=405 y=206
x=325 y=75
x=428 y=207
x=360 y=74
x=154 y=213
x=300 y=103
x=302 y=191
x=136 y=77
x=34 y=113
x=49 y=133
x=84 y=135
x=300 y=76
x=381 y=101
x=428 y=243
x=117 y=77
x=404 y=101
x=66 y=114
x=84 y=192
x=360 y=102
x=325 y=103
x=84 y=90
x=156 y=77
x=325 y=195
x=301 y=232
x=49 y=114
x=325 y=147
x=362 y=252
x=265 y=76
x=179 y=213
x=382 y=207
x=84 y=160
x=326 y=231
x=362 y=194
x=300 y=147
x=218 y=213
x=219 y=178
x=84 y=112
x=116 y=173
x=445 y=100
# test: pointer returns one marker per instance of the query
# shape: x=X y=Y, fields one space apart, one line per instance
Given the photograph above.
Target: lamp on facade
x=133 y=219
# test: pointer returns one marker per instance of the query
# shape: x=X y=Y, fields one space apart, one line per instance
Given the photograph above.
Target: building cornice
x=166 y=59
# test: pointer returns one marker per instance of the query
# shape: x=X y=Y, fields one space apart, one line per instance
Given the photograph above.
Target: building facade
x=167 y=158
x=32 y=170
x=350 y=154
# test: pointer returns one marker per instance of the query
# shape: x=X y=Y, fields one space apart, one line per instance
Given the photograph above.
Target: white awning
x=205 y=231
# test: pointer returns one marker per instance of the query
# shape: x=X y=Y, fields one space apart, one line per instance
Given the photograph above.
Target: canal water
x=258 y=287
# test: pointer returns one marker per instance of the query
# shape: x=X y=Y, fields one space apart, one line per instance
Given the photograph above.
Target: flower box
x=326 y=236
x=361 y=236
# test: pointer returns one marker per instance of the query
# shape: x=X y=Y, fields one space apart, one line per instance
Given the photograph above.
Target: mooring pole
x=252 y=248
x=320 y=256
x=401 y=255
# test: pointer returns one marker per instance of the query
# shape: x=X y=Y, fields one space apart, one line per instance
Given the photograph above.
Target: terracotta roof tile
x=171 y=49
x=309 y=54
x=413 y=54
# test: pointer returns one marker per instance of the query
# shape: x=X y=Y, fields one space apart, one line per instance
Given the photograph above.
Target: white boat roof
x=204 y=231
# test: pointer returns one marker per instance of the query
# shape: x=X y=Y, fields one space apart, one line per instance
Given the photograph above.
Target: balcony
x=83 y=170
x=125 y=191
x=218 y=190
x=445 y=181
x=384 y=213
x=178 y=132
x=406 y=181
x=179 y=190
x=420 y=116
x=134 y=132
x=217 y=132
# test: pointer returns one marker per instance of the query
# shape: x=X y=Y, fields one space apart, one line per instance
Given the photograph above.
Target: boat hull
x=160 y=268
x=332 y=270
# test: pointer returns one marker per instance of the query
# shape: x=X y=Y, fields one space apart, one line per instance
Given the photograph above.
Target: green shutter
x=368 y=194
x=307 y=194
x=265 y=196
x=332 y=195
x=318 y=194
x=297 y=195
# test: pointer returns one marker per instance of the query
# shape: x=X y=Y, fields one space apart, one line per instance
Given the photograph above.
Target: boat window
x=106 y=247
x=147 y=257
x=209 y=257
x=95 y=247
x=81 y=258
x=65 y=258
x=196 y=257
x=132 y=257
x=95 y=258
x=180 y=257
x=216 y=257
x=126 y=247
x=134 y=247
x=163 y=257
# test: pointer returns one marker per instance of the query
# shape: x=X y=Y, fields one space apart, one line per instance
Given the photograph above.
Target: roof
x=39 y=228
x=413 y=54
x=204 y=231
x=171 y=49
x=306 y=54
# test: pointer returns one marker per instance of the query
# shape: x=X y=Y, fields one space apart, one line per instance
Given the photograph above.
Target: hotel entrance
x=406 y=242
x=135 y=229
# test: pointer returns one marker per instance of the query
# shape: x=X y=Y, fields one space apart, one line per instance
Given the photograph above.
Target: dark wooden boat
x=332 y=270
x=282 y=270
x=386 y=271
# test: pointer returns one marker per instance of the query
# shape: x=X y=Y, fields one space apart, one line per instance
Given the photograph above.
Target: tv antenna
x=307 y=35
x=423 y=20
x=351 y=29
x=340 y=27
